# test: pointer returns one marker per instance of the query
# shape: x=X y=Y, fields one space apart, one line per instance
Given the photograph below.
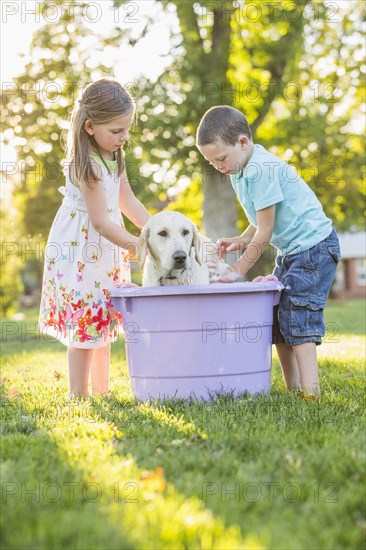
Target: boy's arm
x=129 y=203
x=230 y=244
x=262 y=236
x=249 y=232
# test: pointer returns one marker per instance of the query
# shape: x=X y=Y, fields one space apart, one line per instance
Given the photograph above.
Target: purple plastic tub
x=198 y=341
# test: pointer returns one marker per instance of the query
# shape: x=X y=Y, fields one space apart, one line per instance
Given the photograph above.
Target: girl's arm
x=130 y=205
x=96 y=206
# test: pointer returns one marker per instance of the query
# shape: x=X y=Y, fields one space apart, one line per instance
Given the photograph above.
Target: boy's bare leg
x=290 y=369
x=100 y=370
x=308 y=366
x=79 y=361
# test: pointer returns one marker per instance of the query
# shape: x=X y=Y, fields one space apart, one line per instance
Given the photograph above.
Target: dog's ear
x=196 y=244
x=143 y=245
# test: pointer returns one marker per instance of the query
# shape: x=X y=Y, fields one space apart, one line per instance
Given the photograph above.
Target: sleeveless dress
x=81 y=267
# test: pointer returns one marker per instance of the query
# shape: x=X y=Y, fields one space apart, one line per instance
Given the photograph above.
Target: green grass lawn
x=272 y=471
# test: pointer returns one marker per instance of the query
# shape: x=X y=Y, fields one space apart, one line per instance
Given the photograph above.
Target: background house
x=350 y=281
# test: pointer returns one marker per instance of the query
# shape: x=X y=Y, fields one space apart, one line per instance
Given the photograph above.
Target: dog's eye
x=185 y=232
x=163 y=234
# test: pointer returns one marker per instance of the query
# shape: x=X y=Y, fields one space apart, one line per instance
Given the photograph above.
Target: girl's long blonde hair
x=101 y=102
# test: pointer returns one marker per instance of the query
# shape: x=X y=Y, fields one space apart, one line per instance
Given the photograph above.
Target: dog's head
x=172 y=241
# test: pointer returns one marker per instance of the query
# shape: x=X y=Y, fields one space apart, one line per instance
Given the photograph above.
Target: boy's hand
x=220 y=272
x=264 y=278
x=230 y=244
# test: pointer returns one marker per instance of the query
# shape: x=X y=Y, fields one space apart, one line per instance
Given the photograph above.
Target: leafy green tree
x=295 y=69
x=36 y=110
x=318 y=130
x=257 y=57
x=266 y=59
x=37 y=105
x=10 y=282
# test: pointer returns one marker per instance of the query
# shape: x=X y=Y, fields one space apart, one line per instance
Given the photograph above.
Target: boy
x=284 y=211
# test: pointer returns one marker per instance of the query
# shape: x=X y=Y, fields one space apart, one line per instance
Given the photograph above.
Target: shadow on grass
x=238 y=457
x=58 y=506
x=241 y=456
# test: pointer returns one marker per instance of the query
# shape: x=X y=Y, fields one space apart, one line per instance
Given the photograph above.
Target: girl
x=83 y=258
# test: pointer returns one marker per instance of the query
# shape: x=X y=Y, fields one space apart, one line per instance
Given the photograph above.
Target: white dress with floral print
x=80 y=269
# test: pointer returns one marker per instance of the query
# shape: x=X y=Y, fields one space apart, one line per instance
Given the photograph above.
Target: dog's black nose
x=179 y=256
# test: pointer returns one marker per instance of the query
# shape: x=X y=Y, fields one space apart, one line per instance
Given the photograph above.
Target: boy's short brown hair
x=222 y=122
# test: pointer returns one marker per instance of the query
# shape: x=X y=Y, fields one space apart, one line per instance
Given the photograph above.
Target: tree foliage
x=11 y=265
x=36 y=111
x=295 y=69
x=279 y=62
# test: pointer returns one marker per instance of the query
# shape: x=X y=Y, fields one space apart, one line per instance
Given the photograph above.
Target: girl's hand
x=220 y=272
x=230 y=244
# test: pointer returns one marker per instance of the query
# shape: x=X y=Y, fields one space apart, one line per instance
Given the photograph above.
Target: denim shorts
x=307 y=278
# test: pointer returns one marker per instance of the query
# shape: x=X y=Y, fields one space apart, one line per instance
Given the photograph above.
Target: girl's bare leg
x=79 y=361
x=100 y=370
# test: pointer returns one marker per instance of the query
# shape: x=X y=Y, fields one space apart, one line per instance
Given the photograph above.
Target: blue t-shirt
x=300 y=222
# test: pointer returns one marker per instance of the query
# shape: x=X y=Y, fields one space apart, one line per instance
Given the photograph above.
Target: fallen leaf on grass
x=154 y=481
x=13 y=392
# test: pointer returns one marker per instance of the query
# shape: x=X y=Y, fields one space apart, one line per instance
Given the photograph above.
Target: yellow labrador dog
x=172 y=252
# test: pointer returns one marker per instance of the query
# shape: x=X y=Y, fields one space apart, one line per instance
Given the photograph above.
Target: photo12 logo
x=53 y=12
x=70 y=491
x=52 y=91
x=270 y=491
x=270 y=11
x=255 y=93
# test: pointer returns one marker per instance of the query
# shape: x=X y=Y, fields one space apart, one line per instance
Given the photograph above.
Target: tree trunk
x=220 y=212
x=219 y=206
